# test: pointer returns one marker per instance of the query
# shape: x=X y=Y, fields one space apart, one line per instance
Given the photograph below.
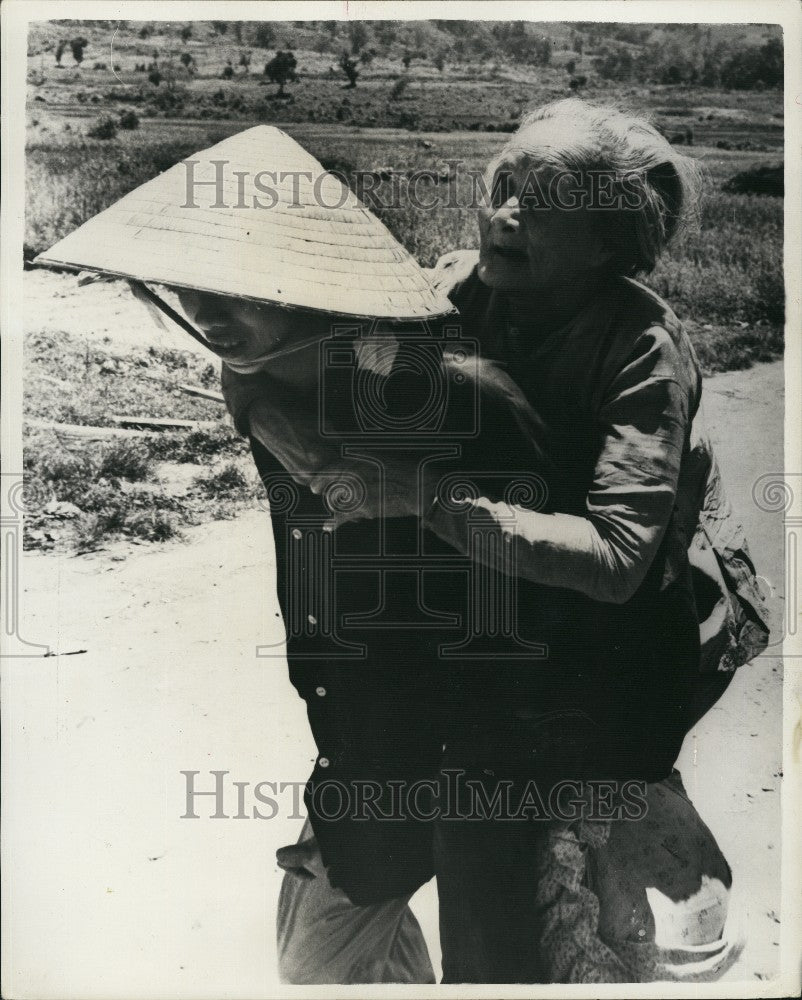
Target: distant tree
x=418 y=34
x=238 y=31
x=77 y=46
x=264 y=36
x=672 y=74
x=228 y=71
x=348 y=66
x=542 y=51
x=281 y=70
x=155 y=77
x=578 y=44
x=570 y=66
x=367 y=56
x=754 y=68
x=385 y=33
x=145 y=31
x=399 y=87
x=440 y=60
x=186 y=33
x=615 y=64
x=406 y=59
x=331 y=27
x=576 y=83
x=245 y=61
x=221 y=27
x=187 y=60
x=358 y=34
x=62 y=45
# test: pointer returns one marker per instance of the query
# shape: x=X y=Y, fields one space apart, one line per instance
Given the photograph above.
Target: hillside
x=431 y=75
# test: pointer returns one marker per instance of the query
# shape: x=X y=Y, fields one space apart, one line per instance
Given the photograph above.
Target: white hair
x=584 y=138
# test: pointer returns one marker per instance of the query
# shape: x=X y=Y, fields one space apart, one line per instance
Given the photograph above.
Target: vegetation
x=104 y=128
x=281 y=70
x=765 y=178
x=91 y=492
x=349 y=67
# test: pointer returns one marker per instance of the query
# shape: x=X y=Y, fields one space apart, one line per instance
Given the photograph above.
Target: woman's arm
x=606 y=553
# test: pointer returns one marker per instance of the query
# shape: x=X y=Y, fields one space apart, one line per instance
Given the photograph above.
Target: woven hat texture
x=307 y=243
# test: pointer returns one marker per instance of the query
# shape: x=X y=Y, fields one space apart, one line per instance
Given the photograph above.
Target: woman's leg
x=593 y=901
x=637 y=900
x=324 y=938
x=664 y=890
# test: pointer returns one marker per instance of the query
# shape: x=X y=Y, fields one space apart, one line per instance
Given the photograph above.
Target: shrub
x=228 y=72
x=399 y=87
x=104 y=128
x=129 y=120
x=126 y=459
x=90 y=530
x=766 y=179
x=229 y=480
x=152 y=525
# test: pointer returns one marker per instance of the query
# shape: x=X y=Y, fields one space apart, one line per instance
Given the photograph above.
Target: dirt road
x=113 y=886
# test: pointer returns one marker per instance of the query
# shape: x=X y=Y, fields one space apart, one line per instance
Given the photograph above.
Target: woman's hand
x=361 y=490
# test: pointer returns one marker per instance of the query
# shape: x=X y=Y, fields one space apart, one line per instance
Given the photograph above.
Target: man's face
x=236 y=330
x=527 y=245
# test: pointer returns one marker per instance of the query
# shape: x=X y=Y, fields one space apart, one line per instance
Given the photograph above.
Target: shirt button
x=324 y=761
x=311 y=619
x=320 y=692
x=296 y=534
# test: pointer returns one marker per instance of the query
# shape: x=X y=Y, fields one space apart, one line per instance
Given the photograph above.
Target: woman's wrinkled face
x=236 y=330
x=531 y=240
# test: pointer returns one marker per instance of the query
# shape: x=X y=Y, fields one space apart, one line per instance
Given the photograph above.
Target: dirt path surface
x=120 y=893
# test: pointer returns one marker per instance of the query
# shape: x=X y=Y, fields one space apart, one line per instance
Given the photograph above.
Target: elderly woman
x=581 y=200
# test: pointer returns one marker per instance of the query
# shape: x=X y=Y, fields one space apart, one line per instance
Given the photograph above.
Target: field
x=724 y=277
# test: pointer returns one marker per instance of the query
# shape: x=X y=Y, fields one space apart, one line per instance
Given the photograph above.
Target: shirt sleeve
x=642 y=422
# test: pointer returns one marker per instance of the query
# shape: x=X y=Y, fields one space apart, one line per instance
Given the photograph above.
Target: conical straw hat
x=310 y=245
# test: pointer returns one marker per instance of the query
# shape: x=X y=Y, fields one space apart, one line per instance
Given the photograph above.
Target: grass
x=104 y=491
x=100 y=490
